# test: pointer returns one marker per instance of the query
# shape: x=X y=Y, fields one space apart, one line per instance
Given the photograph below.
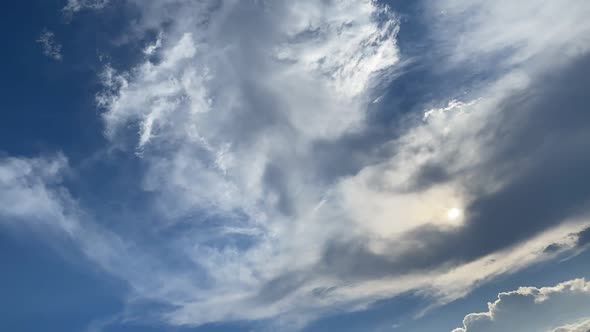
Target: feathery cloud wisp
x=51 y=48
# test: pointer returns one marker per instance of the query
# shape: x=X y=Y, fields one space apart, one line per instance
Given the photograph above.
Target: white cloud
x=228 y=128
x=33 y=198
x=74 y=6
x=230 y=110
x=534 y=309
x=512 y=32
x=51 y=48
x=227 y=123
x=583 y=326
x=31 y=193
x=227 y=111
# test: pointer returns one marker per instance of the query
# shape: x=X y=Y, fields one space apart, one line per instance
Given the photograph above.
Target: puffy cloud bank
x=535 y=309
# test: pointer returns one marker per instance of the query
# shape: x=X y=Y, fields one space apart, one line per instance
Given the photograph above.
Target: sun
x=454 y=214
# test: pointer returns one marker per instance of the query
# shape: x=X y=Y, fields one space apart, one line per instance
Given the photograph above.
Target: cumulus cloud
x=51 y=48
x=251 y=120
x=535 y=309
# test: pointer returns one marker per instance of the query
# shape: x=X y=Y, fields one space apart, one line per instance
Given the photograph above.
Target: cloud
x=34 y=199
x=254 y=114
x=506 y=33
x=535 y=309
x=32 y=194
x=580 y=239
x=74 y=6
x=281 y=199
x=583 y=326
x=226 y=103
x=26 y=186
x=241 y=121
x=546 y=167
x=583 y=237
x=51 y=48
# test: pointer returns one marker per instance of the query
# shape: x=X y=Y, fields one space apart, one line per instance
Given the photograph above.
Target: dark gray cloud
x=583 y=237
x=353 y=260
x=538 y=147
x=279 y=287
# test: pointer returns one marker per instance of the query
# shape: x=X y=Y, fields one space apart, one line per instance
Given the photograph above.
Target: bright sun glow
x=454 y=214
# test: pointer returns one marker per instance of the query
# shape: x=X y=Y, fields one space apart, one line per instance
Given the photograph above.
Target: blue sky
x=341 y=165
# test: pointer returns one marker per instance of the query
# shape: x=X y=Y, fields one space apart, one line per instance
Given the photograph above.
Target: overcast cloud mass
x=272 y=164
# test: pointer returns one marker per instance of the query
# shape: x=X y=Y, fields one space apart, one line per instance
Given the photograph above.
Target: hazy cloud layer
x=583 y=326
x=30 y=189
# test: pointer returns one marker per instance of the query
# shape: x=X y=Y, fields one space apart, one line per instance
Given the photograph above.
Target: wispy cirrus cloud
x=28 y=189
x=583 y=326
x=51 y=47
x=74 y=6
x=508 y=34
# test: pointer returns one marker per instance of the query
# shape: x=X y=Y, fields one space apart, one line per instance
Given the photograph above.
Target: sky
x=297 y=166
